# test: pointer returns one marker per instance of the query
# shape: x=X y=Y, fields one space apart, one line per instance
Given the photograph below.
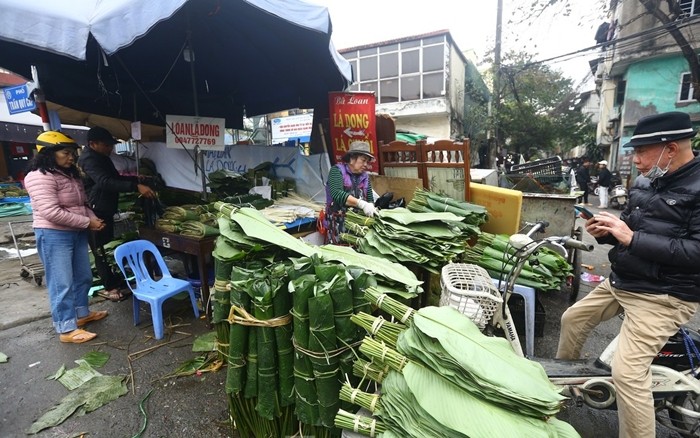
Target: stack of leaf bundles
x=189 y=220
x=226 y=183
x=441 y=377
x=425 y=201
x=546 y=270
x=429 y=240
x=260 y=379
x=253 y=200
x=325 y=297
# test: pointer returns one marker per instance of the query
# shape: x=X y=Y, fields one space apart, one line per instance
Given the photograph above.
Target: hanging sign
x=352 y=118
x=292 y=128
x=18 y=99
x=205 y=132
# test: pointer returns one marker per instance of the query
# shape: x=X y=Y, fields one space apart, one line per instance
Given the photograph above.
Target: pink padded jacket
x=58 y=201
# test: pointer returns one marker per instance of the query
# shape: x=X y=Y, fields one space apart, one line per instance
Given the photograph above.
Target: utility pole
x=496 y=92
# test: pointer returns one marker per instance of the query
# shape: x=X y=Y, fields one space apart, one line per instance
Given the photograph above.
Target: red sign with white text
x=352 y=118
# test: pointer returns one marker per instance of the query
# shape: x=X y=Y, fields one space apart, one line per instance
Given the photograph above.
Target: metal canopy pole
x=198 y=155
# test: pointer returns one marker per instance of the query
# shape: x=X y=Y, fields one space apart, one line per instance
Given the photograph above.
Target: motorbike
x=618 y=197
x=593 y=184
x=675 y=370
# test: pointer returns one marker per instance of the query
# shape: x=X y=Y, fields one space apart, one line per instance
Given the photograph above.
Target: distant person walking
x=61 y=223
x=583 y=177
x=604 y=180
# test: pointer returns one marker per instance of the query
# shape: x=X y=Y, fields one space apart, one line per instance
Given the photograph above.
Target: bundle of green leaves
x=427 y=239
x=439 y=367
x=546 y=271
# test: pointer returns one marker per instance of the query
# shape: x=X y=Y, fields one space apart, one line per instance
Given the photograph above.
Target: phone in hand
x=583 y=212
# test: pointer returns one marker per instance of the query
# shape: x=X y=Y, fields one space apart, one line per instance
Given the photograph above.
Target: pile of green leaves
x=226 y=183
x=425 y=201
x=246 y=232
x=254 y=200
x=545 y=271
x=439 y=367
x=428 y=239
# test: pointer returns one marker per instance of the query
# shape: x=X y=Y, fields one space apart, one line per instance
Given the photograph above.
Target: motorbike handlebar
x=570 y=242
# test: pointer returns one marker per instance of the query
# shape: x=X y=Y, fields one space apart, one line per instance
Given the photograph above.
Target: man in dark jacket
x=103 y=184
x=583 y=177
x=654 y=261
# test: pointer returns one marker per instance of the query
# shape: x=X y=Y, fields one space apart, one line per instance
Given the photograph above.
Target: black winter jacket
x=664 y=255
x=103 y=183
x=604 y=177
x=582 y=177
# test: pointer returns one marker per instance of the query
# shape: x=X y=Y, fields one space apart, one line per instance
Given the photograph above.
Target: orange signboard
x=352 y=118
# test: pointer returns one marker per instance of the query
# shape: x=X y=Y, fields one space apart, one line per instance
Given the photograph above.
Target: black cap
x=661 y=128
x=98 y=133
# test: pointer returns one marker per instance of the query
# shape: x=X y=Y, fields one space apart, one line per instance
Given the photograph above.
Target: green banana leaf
x=93 y=394
x=376 y=265
x=405 y=216
x=490 y=358
x=255 y=225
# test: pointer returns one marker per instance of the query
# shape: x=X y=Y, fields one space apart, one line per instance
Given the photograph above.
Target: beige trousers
x=649 y=321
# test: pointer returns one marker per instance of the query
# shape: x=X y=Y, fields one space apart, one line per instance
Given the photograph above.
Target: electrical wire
x=630 y=42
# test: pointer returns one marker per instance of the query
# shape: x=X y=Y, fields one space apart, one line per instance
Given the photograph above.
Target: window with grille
x=620 y=92
x=686 y=90
x=690 y=7
x=399 y=72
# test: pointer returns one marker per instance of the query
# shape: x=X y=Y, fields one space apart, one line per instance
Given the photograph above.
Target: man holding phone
x=655 y=277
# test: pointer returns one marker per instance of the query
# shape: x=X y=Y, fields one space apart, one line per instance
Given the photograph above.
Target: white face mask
x=656 y=172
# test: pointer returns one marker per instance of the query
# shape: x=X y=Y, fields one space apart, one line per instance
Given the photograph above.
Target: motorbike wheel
x=690 y=425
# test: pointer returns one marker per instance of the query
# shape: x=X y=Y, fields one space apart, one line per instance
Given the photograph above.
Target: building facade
x=425 y=83
x=643 y=71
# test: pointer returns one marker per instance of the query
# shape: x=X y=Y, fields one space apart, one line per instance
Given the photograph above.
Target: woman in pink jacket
x=61 y=223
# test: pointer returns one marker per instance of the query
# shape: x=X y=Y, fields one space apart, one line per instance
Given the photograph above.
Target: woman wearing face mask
x=654 y=264
x=348 y=186
x=61 y=223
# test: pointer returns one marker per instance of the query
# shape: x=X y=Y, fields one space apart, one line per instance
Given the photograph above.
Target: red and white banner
x=352 y=118
x=188 y=131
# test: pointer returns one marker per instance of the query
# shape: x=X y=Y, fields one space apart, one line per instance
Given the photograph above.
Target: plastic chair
x=529 y=298
x=145 y=288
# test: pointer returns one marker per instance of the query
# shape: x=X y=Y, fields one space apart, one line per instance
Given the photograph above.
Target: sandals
x=114 y=295
x=92 y=316
x=77 y=336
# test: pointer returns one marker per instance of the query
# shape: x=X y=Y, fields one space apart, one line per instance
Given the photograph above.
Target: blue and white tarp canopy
x=132 y=59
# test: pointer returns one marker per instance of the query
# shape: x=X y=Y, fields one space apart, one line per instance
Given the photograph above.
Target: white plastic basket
x=469 y=289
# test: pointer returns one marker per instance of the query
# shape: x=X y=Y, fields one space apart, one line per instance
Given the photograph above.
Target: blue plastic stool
x=529 y=297
x=145 y=288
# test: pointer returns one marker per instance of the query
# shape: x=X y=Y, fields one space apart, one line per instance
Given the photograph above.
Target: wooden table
x=200 y=248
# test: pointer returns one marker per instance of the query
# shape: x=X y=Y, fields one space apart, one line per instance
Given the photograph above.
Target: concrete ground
x=177 y=407
x=186 y=406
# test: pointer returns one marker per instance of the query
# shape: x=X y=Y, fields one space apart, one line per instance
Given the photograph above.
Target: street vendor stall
x=203 y=58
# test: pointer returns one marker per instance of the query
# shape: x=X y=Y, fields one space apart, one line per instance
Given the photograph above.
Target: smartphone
x=583 y=212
